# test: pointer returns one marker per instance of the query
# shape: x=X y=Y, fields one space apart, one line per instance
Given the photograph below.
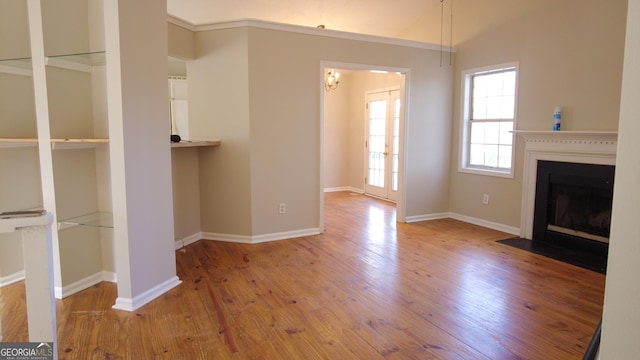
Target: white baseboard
x=285 y=235
x=68 y=290
x=485 y=223
x=416 y=218
x=180 y=243
x=256 y=239
x=77 y=286
x=109 y=276
x=132 y=304
x=471 y=220
x=12 y=278
x=241 y=239
x=344 y=188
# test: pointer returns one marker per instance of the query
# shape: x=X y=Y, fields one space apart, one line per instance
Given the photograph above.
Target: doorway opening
x=363 y=133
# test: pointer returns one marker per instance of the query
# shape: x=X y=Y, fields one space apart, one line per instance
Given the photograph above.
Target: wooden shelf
x=185 y=144
x=55 y=143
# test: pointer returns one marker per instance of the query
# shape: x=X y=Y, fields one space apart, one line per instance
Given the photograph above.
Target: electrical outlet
x=485 y=199
x=282 y=208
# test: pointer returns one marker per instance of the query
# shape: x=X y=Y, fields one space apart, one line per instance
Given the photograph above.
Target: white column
x=38 y=269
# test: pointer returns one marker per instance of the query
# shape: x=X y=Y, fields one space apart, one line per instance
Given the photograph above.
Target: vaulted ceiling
x=373 y=17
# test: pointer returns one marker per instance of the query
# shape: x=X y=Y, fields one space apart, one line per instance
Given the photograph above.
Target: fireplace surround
x=581 y=147
x=574 y=147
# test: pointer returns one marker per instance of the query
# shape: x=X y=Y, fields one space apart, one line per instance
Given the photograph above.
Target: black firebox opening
x=573 y=206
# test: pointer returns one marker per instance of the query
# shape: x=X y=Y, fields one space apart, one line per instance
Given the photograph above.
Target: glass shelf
x=18 y=66
x=98 y=220
x=19 y=63
x=80 y=62
x=89 y=59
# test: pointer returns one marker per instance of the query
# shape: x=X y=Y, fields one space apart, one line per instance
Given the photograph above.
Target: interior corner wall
x=181 y=42
x=185 y=172
x=569 y=53
x=219 y=109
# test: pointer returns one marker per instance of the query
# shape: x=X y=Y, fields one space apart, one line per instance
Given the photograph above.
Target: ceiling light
x=331 y=79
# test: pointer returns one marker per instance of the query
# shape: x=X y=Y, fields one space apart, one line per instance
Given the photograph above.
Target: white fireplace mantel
x=587 y=147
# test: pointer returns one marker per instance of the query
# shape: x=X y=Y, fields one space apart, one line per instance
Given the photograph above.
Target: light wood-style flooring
x=368 y=288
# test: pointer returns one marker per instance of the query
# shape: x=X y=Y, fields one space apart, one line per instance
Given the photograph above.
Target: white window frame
x=465 y=115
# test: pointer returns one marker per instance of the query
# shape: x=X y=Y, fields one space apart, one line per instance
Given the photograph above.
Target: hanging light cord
x=451 y=37
x=441 y=28
x=442 y=33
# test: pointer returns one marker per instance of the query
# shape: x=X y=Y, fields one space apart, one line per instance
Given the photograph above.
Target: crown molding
x=181 y=22
x=262 y=24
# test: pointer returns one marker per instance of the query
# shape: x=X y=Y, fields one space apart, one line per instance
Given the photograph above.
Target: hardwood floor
x=368 y=288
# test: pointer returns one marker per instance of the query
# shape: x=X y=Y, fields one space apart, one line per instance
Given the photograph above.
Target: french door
x=382 y=144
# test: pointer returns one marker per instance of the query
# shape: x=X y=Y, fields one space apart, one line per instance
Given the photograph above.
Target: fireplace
x=573 y=205
x=569 y=167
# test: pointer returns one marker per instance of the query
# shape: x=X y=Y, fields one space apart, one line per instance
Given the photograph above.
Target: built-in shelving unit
x=65 y=78
x=55 y=89
x=20 y=189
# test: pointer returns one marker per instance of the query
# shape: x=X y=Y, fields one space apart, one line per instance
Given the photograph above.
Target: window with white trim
x=488 y=119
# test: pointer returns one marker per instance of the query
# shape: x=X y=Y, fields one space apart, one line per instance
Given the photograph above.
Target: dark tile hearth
x=590 y=260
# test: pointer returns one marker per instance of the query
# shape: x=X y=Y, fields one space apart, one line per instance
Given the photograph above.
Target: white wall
x=621 y=319
x=65 y=25
x=181 y=42
x=218 y=83
x=570 y=54
x=14 y=30
x=274 y=143
x=336 y=134
x=185 y=170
